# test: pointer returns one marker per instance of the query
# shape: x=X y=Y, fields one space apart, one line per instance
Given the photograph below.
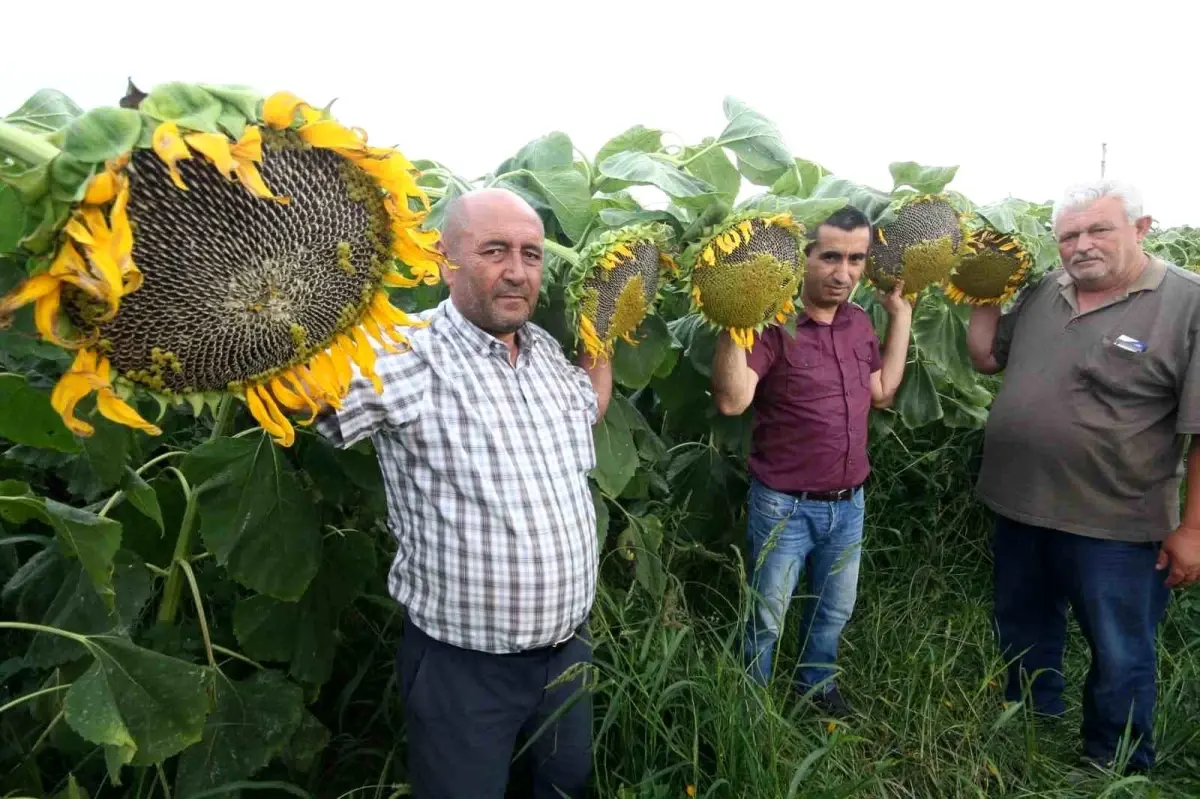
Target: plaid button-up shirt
x=486 y=467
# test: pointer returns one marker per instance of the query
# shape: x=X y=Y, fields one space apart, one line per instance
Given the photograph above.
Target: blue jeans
x=788 y=536
x=1118 y=599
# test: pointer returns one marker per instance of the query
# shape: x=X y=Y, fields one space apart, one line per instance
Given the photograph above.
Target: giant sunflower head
x=615 y=285
x=202 y=262
x=745 y=272
x=921 y=246
x=993 y=267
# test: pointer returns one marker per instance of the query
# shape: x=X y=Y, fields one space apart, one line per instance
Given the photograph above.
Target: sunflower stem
x=29 y=148
x=223 y=419
x=562 y=251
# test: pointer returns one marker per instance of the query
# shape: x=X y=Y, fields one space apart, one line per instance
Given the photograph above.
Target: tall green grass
x=674 y=709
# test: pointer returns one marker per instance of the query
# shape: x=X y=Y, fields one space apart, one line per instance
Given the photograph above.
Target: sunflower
x=614 y=284
x=922 y=245
x=993 y=267
x=246 y=252
x=745 y=272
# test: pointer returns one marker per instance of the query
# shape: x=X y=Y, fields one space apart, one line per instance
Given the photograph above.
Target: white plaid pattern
x=486 y=467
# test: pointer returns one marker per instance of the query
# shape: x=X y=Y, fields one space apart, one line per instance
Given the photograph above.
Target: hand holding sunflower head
x=225 y=244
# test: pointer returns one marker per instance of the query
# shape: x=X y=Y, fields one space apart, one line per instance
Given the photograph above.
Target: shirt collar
x=480 y=340
x=841 y=317
x=1149 y=280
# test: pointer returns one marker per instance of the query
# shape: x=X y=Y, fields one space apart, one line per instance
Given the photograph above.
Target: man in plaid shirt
x=483 y=433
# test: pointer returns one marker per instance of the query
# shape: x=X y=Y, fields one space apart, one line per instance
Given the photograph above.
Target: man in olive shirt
x=1082 y=463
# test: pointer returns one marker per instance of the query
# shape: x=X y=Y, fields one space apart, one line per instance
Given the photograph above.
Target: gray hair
x=1084 y=194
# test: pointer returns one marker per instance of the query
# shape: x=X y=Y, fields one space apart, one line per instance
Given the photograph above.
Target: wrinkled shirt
x=812 y=401
x=486 y=469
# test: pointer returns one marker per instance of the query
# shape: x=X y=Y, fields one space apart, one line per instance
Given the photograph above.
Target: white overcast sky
x=1019 y=94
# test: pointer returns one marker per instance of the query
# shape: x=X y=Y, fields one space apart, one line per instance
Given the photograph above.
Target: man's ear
x=1143 y=227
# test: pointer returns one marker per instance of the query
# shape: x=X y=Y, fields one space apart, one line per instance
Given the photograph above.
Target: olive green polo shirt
x=1087 y=433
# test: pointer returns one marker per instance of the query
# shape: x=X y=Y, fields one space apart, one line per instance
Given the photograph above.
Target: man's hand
x=894 y=302
x=1181 y=553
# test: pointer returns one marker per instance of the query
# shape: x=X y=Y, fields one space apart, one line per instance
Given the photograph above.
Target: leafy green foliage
x=276 y=669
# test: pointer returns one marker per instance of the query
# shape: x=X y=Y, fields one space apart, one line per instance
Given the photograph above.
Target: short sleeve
x=579 y=380
x=876 y=361
x=1188 y=417
x=1007 y=326
x=764 y=351
x=365 y=411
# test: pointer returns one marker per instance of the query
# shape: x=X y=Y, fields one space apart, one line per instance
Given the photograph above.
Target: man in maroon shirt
x=811 y=395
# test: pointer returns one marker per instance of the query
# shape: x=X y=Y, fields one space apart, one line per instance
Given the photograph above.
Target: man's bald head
x=493 y=241
x=481 y=204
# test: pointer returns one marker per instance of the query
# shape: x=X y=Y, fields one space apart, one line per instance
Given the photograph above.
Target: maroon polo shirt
x=812 y=401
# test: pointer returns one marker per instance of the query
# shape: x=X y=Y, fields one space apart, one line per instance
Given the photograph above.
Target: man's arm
x=599 y=371
x=1181 y=551
x=733 y=381
x=981 y=336
x=886 y=381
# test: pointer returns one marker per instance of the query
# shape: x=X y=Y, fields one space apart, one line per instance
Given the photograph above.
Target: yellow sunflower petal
x=279 y=110
x=31 y=290
x=170 y=148
x=249 y=175
x=79 y=381
x=398 y=280
x=114 y=408
x=319 y=375
x=341 y=366
x=258 y=410
x=249 y=147
x=364 y=357
x=294 y=397
x=101 y=189
x=289 y=432
x=45 y=316
x=372 y=327
x=214 y=147
x=331 y=134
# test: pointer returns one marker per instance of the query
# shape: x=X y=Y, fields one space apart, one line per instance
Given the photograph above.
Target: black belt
x=825 y=496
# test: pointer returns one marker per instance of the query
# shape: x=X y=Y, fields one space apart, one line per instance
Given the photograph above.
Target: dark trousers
x=1118 y=598
x=465 y=712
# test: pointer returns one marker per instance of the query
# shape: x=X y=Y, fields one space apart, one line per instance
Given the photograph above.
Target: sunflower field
x=193 y=597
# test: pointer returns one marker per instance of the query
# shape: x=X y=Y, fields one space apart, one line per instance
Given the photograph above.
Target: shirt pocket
x=809 y=375
x=572 y=428
x=863 y=352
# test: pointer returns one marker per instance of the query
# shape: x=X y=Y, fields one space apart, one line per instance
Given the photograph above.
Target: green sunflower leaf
x=253 y=720
x=13 y=218
x=254 y=516
x=55 y=591
x=917 y=400
x=552 y=151
x=102 y=133
x=46 y=111
x=875 y=204
x=143 y=705
x=27 y=417
x=303 y=633
x=924 y=179
x=142 y=496
x=602 y=517
x=91 y=539
x=616 y=453
x=642 y=168
x=242 y=99
x=309 y=740
x=940 y=334
x=639 y=139
x=185 y=104
x=801 y=181
x=634 y=367
x=809 y=212
x=762 y=156
x=712 y=165
x=69 y=177
x=567 y=193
